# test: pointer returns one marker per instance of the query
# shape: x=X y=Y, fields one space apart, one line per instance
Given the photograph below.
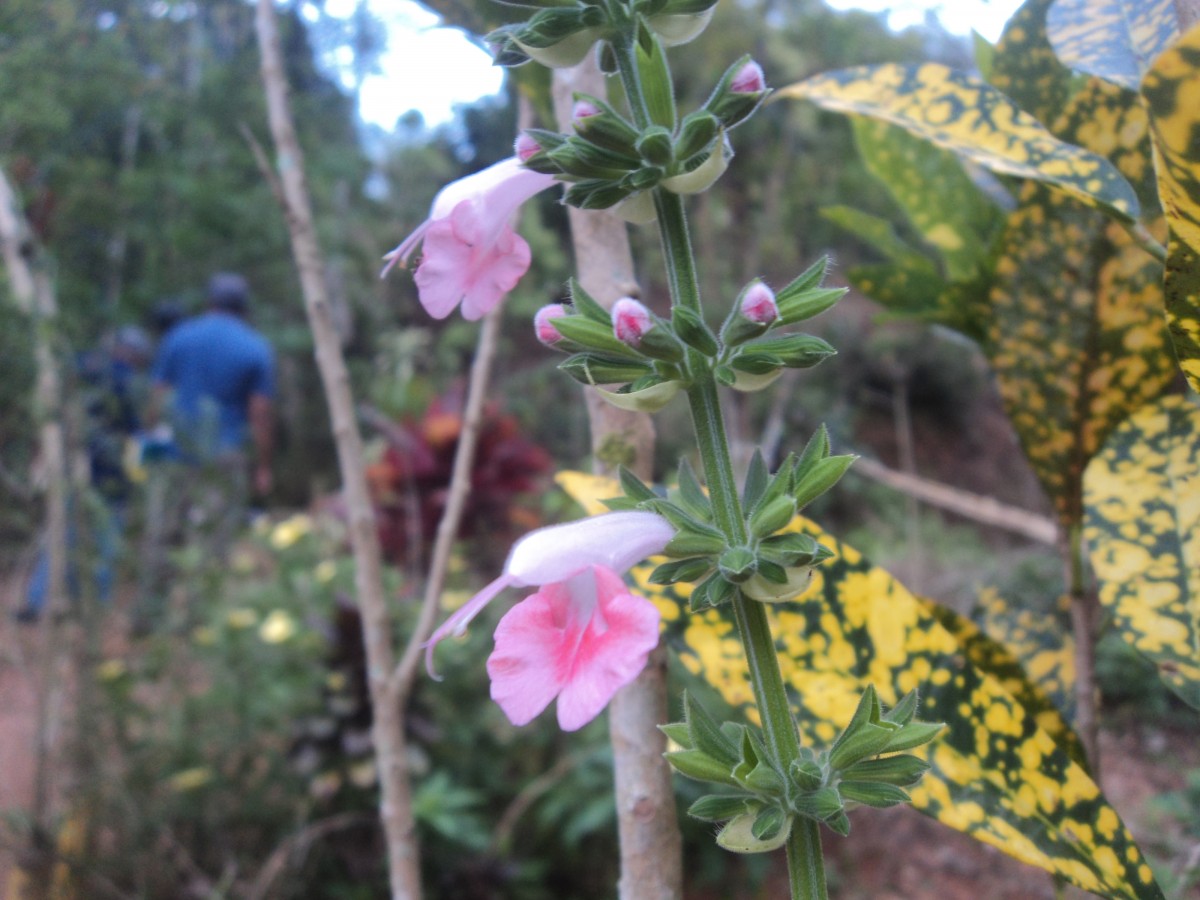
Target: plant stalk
x=806 y=866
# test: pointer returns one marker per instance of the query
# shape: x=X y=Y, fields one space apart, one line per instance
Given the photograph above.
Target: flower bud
x=749 y=79
x=583 y=109
x=631 y=321
x=525 y=147
x=758 y=304
x=543 y=324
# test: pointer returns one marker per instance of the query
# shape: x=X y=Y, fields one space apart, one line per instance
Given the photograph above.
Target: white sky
x=430 y=68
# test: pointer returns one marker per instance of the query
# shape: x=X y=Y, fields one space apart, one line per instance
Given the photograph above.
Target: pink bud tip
x=631 y=320
x=758 y=304
x=526 y=147
x=749 y=79
x=543 y=324
x=584 y=109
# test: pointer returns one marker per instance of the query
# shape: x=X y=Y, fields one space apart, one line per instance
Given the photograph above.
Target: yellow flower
x=111 y=669
x=290 y=530
x=241 y=618
x=277 y=627
x=190 y=779
x=204 y=636
x=325 y=571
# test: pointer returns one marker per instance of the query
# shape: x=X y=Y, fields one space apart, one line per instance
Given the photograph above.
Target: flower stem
x=806 y=868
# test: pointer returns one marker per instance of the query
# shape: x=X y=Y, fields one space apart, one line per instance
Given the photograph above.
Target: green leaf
x=719 y=807
x=1113 y=39
x=691 y=494
x=1170 y=91
x=706 y=733
x=1143 y=531
x=1077 y=338
x=961 y=113
x=939 y=198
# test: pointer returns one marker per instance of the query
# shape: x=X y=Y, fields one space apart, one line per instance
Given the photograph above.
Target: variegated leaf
x=1025 y=68
x=958 y=219
x=995 y=775
x=1113 y=39
x=1078 y=340
x=1172 y=92
x=1031 y=655
x=1143 y=530
x=960 y=113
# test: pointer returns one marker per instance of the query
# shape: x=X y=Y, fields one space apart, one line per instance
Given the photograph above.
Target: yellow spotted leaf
x=1143 y=531
x=1031 y=654
x=1113 y=39
x=1078 y=340
x=958 y=112
x=1172 y=93
x=1025 y=68
x=995 y=775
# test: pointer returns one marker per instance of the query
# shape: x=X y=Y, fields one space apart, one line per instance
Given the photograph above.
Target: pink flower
x=583 y=109
x=526 y=147
x=471 y=253
x=582 y=636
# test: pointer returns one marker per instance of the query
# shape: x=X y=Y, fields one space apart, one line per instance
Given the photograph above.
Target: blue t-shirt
x=214 y=363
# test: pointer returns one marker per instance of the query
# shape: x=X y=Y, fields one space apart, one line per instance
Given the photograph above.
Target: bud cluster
x=767 y=797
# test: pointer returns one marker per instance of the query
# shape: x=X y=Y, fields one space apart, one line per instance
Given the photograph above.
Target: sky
x=430 y=68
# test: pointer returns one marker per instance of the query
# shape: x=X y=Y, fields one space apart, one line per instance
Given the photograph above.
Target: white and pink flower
x=470 y=253
x=582 y=635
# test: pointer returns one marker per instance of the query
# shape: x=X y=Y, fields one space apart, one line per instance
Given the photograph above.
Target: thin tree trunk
x=34 y=293
x=390 y=751
x=651 y=847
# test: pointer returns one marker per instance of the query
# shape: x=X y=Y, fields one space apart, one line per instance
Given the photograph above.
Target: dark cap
x=228 y=291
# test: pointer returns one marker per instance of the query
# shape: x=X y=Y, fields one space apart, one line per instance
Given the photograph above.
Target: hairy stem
x=806 y=868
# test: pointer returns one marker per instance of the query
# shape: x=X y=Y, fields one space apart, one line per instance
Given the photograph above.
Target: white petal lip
x=614 y=540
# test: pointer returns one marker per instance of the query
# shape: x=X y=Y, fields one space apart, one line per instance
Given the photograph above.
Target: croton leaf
x=1078 y=340
x=961 y=113
x=1113 y=39
x=958 y=219
x=1142 y=495
x=1025 y=68
x=1030 y=654
x=1172 y=92
x=995 y=775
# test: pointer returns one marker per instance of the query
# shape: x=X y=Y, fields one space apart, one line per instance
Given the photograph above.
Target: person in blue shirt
x=220 y=374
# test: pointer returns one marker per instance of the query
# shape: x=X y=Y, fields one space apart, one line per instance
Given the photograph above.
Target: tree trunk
x=390 y=751
x=651 y=847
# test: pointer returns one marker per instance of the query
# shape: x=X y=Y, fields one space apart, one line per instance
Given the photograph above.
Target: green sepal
x=593 y=369
x=692 y=330
x=762 y=779
x=721 y=807
x=700 y=766
x=596 y=336
x=595 y=194
x=655 y=78
x=793 y=549
x=806 y=304
x=585 y=304
x=690 y=541
x=873 y=793
x=607 y=59
x=679 y=733
x=608 y=128
x=712 y=591
x=858 y=743
x=839 y=822
x=581 y=159
x=691 y=494
x=914 y=734
x=807 y=280
x=737 y=564
x=621 y=504
x=823 y=804
x=797 y=351
x=506 y=51
x=779 y=485
x=902 y=713
x=655 y=146
x=706 y=734
x=769 y=823
x=806 y=775
x=814 y=451
x=757 y=479
x=771 y=516
x=696 y=133
x=903 y=769
x=688 y=570
x=755 y=363
x=821 y=477
x=724 y=376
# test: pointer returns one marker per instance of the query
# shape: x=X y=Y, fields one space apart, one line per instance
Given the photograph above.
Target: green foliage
x=1143 y=528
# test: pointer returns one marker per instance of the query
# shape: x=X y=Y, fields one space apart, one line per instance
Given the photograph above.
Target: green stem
x=806 y=867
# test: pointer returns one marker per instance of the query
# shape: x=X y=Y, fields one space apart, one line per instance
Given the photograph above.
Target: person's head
x=131 y=345
x=228 y=292
x=166 y=314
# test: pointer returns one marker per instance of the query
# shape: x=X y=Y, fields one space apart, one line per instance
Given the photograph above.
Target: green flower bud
x=738 y=836
x=704 y=174
x=648 y=399
x=739 y=92
x=655 y=146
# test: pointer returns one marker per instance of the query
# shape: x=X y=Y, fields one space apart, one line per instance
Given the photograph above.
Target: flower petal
x=614 y=540
x=461 y=618
x=494 y=274
x=525 y=668
x=442 y=276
